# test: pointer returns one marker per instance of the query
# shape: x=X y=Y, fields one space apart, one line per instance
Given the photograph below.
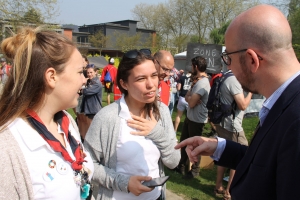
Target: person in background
x=173 y=78
x=183 y=86
x=196 y=118
x=131 y=139
x=6 y=70
x=81 y=118
x=92 y=97
x=113 y=72
x=40 y=145
x=164 y=63
x=231 y=127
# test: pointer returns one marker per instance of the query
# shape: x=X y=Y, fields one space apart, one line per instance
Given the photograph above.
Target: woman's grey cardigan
x=101 y=141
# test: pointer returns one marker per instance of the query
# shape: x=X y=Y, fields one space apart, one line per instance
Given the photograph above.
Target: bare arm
x=178 y=86
x=241 y=101
x=193 y=99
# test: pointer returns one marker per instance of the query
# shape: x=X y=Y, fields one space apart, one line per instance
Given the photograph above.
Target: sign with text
x=211 y=52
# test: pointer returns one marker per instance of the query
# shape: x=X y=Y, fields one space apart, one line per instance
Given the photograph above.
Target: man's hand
x=136 y=187
x=198 y=146
x=144 y=126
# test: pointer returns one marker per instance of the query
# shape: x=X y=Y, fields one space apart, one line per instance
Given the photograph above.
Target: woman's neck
x=134 y=107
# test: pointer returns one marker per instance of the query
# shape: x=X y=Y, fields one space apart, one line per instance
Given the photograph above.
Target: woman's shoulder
x=163 y=108
x=7 y=140
x=109 y=110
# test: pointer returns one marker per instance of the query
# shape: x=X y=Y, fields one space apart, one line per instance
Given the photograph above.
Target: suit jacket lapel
x=278 y=108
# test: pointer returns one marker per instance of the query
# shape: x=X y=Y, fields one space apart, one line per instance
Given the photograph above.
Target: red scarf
x=55 y=144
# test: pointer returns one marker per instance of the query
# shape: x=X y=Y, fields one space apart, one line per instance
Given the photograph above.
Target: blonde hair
x=33 y=51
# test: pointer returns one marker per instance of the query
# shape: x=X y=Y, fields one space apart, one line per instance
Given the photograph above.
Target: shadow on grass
x=198 y=188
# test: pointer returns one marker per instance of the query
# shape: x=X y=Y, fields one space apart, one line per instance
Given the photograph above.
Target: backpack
x=216 y=109
x=107 y=77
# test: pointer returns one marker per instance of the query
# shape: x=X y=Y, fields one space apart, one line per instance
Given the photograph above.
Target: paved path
x=173 y=196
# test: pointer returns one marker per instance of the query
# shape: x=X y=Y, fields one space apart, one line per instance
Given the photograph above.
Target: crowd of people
x=108 y=152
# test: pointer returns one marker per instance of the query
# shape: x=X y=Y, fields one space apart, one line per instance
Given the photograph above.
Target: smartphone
x=156 y=181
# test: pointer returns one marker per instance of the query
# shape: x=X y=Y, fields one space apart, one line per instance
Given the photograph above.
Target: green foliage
x=124 y=42
x=33 y=16
x=297 y=50
x=217 y=34
x=29 y=10
x=99 y=40
x=117 y=60
x=294 y=19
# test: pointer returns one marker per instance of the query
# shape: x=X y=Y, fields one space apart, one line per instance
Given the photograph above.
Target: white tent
x=180 y=61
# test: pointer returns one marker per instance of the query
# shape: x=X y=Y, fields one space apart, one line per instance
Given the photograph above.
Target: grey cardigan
x=101 y=141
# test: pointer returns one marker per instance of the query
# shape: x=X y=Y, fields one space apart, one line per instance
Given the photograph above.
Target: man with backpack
x=108 y=77
x=226 y=107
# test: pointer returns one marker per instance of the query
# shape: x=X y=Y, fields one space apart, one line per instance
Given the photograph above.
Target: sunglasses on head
x=134 y=53
x=90 y=66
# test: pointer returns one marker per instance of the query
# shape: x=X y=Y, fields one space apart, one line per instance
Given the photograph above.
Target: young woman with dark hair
x=132 y=139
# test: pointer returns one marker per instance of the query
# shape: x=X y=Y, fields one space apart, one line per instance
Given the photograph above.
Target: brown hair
x=124 y=69
x=33 y=51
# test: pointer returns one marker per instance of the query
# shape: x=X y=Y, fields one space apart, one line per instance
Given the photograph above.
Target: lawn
x=203 y=186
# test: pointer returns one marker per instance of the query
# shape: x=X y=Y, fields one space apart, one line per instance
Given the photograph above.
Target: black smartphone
x=156 y=181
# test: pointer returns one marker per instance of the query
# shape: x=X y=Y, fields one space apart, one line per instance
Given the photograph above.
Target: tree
x=33 y=16
x=217 y=34
x=99 y=40
x=180 y=21
x=295 y=26
x=126 y=42
x=150 y=18
x=15 y=10
x=179 y=27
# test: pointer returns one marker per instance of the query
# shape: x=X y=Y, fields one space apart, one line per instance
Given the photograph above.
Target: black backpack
x=216 y=109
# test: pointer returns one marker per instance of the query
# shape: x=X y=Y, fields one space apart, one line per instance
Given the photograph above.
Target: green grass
x=203 y=186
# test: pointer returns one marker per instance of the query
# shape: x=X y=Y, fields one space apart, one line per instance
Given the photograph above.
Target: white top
x=52 y=177
x=136 y=155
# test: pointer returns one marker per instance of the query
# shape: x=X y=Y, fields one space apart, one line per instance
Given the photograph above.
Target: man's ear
x=123 y=84
x=253 y=60
x=51 y=77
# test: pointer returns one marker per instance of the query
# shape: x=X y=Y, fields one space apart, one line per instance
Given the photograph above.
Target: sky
x=80 y=12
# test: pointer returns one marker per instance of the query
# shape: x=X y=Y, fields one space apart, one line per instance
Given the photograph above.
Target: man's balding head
x=262 y=27
x=259 y=45
x=164 y=63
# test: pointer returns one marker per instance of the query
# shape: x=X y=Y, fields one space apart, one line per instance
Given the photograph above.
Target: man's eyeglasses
x=134 y=53
x=166 y=70
x=227 y=59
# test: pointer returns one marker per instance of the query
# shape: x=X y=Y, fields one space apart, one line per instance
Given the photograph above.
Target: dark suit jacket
x=270 y=167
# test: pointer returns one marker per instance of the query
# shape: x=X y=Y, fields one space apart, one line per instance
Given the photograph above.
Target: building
x=114 y=29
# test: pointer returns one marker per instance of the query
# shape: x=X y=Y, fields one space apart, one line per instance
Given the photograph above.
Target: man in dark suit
x=259 y=52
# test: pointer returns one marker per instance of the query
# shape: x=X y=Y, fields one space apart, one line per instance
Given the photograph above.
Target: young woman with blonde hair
x=41 y=152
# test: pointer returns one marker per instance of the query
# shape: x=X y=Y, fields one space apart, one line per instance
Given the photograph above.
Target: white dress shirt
x=136 y=156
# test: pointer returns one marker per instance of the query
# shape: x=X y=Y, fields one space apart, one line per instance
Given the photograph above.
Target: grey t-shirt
x=229 y=88
x=199 y=112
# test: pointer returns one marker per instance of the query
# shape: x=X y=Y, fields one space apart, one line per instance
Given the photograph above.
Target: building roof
x=70 y=26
